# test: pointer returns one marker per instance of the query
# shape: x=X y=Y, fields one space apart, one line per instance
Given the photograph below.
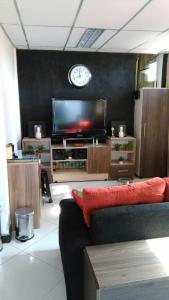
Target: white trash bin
x=24 y=224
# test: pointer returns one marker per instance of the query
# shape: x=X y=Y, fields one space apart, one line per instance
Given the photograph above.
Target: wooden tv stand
x=80 y=162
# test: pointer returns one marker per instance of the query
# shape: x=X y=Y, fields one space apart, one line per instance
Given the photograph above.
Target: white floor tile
x=50 y=213
x=47 y=249
x=58 y=293
x=25 y=277
x=45 y=229
x=7 y=253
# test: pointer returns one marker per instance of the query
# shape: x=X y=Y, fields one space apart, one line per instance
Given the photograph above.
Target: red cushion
x=77 y=196
x=166 y=193
x=149 y=191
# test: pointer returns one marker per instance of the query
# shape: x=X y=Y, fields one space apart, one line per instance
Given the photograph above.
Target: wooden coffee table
x=137 y=270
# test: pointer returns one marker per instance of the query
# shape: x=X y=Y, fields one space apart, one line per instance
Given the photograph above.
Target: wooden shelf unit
x=44 y=155
x=124 y=148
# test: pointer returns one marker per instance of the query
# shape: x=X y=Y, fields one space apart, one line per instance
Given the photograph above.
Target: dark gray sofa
x=108 y=225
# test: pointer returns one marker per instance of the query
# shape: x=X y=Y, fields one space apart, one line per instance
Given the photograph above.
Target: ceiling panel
x=154 y=17
x=16 y=34
x=81 y=49
x=140 y=51
x=103 y=38
x=157 y=45
x=111 y=50
x=129 y=39
x=109 y=14
x=46 y=48
x=8 y=12
x=49 y=12
x=75 y=37
x=47 y=36
x=21 y=47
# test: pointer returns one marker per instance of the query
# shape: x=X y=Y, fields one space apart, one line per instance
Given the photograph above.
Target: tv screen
x=78 y=116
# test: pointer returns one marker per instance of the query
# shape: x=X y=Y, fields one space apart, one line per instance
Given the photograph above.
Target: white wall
x=9 y=119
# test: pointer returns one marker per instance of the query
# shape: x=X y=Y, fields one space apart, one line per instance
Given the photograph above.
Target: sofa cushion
x=77 y=196
x=149 y=191
x=166 y=193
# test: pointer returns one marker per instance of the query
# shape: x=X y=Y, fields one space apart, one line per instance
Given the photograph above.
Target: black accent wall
x=44 y=74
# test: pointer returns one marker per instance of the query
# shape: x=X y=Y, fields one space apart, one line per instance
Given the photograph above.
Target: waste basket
x=24 y=224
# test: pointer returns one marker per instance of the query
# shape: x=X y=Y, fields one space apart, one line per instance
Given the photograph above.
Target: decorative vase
x=38 y=133
x=121 y=132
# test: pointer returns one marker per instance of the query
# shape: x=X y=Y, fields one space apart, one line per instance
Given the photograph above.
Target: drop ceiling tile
x=8 y=12
x=141 y=51
x=47 y=36
x=50 y=12
x=103 y=38
x=154 y=17
x=47 y=48
x=109 y=14
x=16 y=34
x=21 y=47
x=158 y=44
x=75 y=37
x=81 y=49
x=129 y=39
x=111 y=50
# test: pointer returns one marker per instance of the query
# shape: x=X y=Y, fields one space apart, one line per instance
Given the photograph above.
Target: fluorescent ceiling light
x=89 y=37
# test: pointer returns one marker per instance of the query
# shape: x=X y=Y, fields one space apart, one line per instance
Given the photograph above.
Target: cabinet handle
x=145 y=129
x=121 y=171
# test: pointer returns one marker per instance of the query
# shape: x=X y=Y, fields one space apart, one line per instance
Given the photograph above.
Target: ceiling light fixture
x=89 y=37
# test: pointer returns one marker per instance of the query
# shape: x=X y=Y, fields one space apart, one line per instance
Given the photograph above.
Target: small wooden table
x=137 y=270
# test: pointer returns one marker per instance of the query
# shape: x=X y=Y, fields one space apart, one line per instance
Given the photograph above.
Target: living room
x=84 y=93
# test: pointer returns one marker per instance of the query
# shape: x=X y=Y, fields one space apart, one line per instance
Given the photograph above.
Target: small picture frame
x=32 y=128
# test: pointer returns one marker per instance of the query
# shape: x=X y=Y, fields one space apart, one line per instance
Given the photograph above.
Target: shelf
x=82 y=170
x=126 y=138
x=69 y=160
x=123 y=151
x=85 y=146
x=124 y=164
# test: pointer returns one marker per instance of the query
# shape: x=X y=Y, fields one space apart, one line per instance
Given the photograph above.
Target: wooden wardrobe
x=151 y=120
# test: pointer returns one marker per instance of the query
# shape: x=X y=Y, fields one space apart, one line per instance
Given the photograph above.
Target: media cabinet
x=80 y=161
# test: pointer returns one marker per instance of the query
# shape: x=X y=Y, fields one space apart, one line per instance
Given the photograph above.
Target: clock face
x=79 y=75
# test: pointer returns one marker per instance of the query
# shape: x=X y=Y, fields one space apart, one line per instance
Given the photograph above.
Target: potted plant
x=117 y=147
x=29 y=150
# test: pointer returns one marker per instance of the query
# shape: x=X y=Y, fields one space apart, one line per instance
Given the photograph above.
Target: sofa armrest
x=73 y=236
x=132 y=222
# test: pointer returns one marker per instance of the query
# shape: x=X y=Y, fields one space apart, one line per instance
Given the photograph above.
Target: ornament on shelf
x=121 y=131
x=112 y=131
x=38 y=132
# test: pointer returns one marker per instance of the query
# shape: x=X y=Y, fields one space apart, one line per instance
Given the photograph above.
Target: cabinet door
x=99 y=159
x=154 y=133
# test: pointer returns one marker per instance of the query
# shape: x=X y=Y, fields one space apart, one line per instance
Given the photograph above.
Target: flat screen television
x=78 y=116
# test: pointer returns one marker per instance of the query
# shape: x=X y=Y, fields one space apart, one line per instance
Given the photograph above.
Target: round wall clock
x=79 y=75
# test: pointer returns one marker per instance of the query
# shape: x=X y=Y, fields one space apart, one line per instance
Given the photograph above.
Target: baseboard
x=7 y=238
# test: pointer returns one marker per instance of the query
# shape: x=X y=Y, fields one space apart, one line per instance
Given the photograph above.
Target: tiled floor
x=33 y=270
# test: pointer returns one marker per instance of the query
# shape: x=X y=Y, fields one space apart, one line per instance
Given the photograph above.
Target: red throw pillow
x=77 y=196
x=149 y=191
x=166 y=193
